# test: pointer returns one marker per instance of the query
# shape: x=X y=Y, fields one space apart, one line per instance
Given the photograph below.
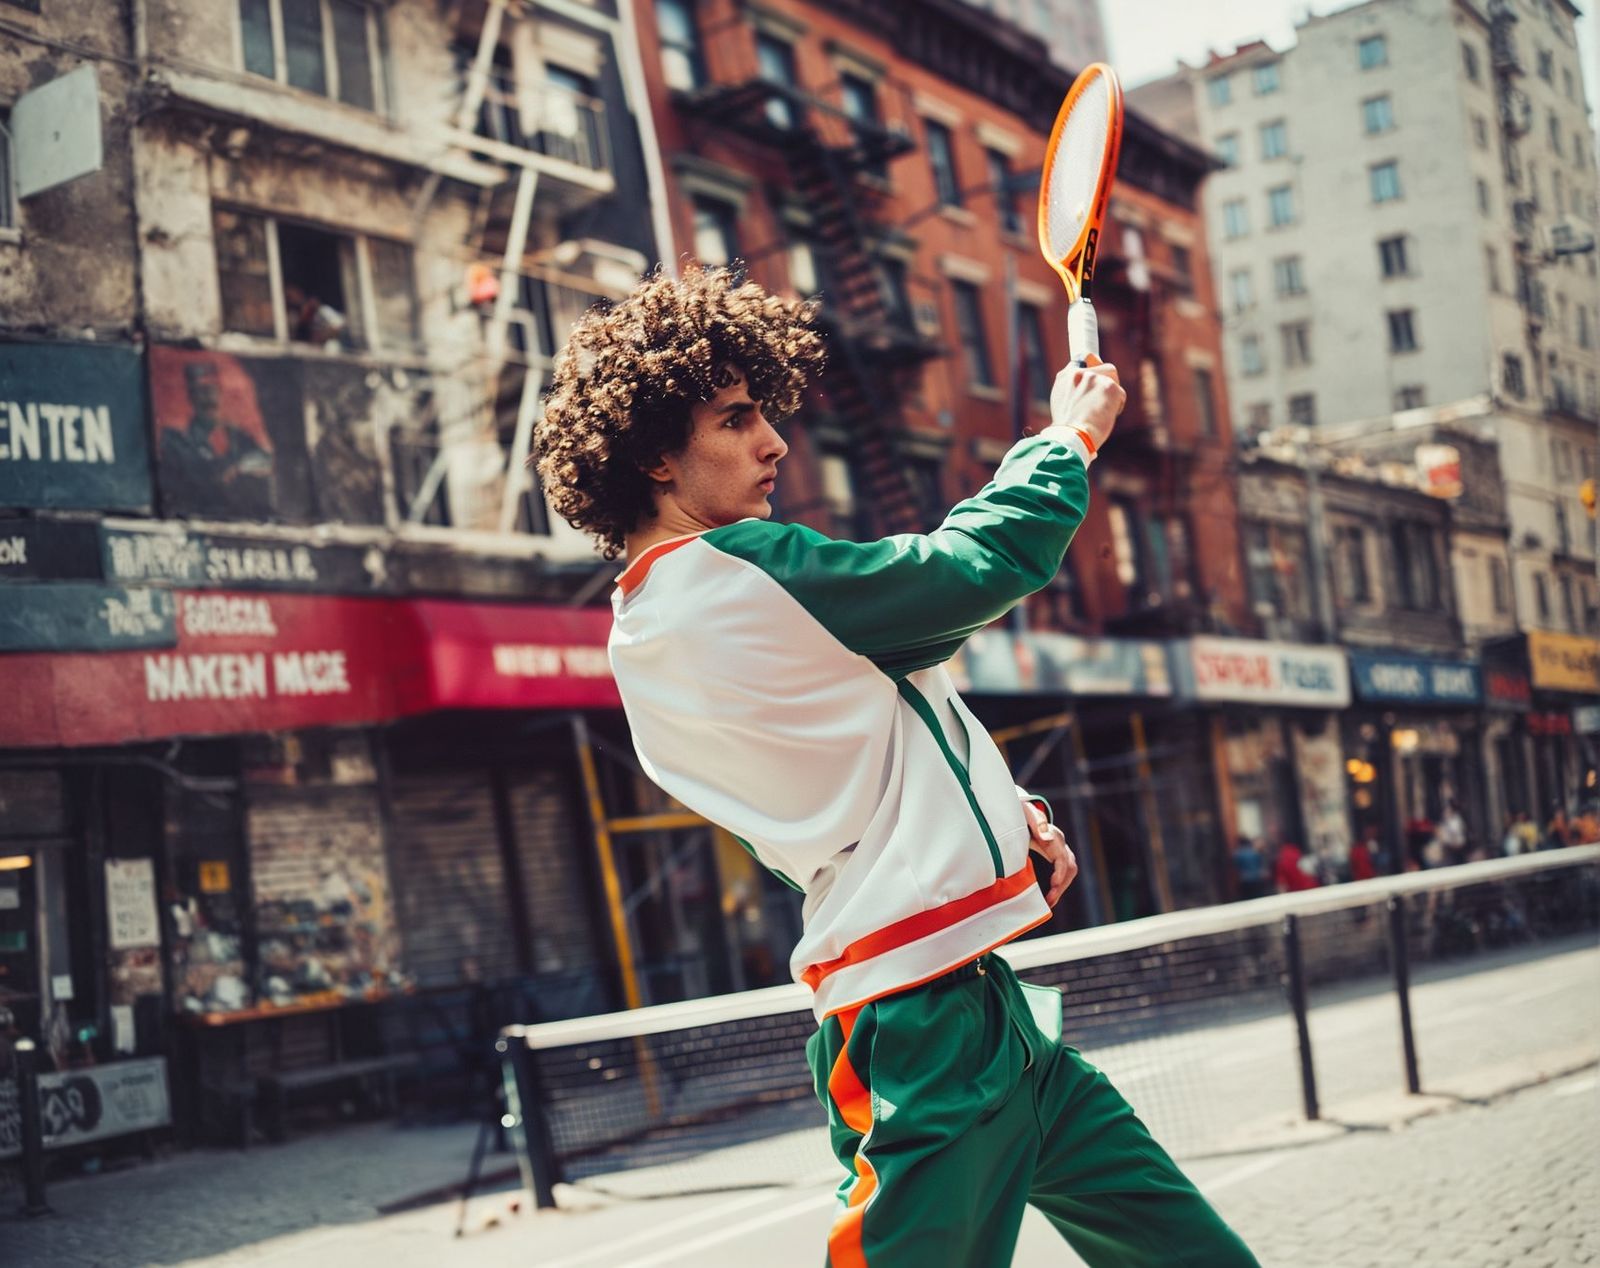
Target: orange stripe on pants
x=855 y=1108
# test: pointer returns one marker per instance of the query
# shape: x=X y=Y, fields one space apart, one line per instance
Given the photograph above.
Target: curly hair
x=622 y=389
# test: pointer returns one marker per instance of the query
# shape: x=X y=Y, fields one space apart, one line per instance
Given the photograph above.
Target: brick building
x=891 y=171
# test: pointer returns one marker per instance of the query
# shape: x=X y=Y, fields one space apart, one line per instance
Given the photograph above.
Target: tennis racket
x=1080 y=166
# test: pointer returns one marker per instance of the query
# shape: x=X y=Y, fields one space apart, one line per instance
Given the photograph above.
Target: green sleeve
x=910 y=601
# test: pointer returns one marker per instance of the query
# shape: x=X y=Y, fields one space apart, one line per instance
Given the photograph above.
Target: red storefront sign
x=257 y=662
x=1547 y=723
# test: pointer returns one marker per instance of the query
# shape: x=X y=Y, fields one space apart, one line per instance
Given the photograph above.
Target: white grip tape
x=1083 y=330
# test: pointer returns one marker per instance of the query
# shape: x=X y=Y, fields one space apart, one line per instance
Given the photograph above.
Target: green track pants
x=951 y=1110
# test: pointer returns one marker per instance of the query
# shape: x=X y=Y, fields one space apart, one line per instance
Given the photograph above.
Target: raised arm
x=909 y=601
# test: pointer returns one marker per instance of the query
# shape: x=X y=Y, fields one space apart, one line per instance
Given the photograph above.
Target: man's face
x=729 y=466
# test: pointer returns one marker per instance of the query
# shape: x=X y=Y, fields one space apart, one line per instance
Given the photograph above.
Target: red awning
x=273 y=662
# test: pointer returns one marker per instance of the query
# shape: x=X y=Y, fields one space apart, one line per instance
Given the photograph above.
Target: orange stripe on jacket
x=921 y=925
x=855 y=1108
x=634 y=574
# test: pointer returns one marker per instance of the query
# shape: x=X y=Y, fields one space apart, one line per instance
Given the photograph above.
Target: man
x=210 y=466
x=792 y=689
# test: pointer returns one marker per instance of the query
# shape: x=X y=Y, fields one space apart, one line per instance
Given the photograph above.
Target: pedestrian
x=1522 y=836
x=1452 y=834
x=792 y=689
x=1250 y=869
x=1362 y=865
x=1295 y=870
x=1557 y=833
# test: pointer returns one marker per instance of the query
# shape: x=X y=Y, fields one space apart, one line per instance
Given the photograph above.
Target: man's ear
x=661 y=472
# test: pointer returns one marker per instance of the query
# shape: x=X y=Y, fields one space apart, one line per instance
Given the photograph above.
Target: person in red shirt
x=1295 y=870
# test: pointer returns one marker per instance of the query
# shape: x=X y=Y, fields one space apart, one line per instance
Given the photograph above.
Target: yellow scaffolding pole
x=1158 y=846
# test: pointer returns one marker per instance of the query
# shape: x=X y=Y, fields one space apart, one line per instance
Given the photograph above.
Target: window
x=1372 y=51
x=1228 y=148
x=1483 y=196
x=1568 y=608
x=1303 y=410
x=1030 y=323
x=1235 y=218
x=974 y=343
x=1491 y=260
x=716 y=234
x=775 y=57
x=318 y=275
x=942 y=155
x=1250 y=359
x=1541 y=597
x=1377 y=114
x=1392 y=256
x=1511 y=376
x=1469 y=61
x=1547 y=66
x=1220 y=90
x=329 y=47
x=1125 y=551
x=1499 y=585
x=1259 y=416
x=1553 y=126
x=1287 y=278
x=1566 y=83
x=1480 y=131
x=1182 y=270
x=1384 y=180
x=1205 y=398
x=1005 y=199
x=860 y=96
x=1416 y=570
x=1280 y=206
x=803 y=276
x=682 y=63
x=1557 y=193
x=1265 y=79
x=1241 y=290
x=1402 y=330
x=1409 y=397
x=1278 y=560
x=1296 y=337
x=1583 y=325
x=8 y=202
x=1350 y=564
x=1274 y=139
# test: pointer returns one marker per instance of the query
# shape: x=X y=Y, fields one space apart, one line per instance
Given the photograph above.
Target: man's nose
x=776 y=447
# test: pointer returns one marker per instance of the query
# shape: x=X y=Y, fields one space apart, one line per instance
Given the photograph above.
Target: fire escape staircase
x=824 y=151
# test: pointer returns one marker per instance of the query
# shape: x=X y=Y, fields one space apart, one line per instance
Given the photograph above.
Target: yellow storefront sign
x=1564 y=662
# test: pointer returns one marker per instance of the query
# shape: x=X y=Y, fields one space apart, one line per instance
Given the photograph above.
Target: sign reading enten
x=1421 y=679
x=1263 y=673
x=72 y=427
x=1564 y=662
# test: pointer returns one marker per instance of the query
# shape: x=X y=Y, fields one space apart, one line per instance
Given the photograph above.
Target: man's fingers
x=1063 y=863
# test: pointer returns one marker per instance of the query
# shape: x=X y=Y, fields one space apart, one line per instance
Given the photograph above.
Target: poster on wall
x=348 y=408
x=230 y=436
x=1319 y=758
x=131 y=904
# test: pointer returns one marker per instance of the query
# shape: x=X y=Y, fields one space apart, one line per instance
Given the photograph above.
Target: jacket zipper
x=924 y=710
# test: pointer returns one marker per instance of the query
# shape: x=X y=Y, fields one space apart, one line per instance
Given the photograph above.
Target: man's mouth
x=769 y=482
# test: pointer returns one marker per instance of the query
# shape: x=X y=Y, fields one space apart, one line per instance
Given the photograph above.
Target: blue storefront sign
x=1396 y=678
x=81 y=617
x=168 y=555
x=73 y=427
x=999 y=662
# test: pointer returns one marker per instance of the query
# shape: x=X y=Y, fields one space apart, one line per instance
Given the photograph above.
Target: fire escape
x=829 y=157
x=1515 y=114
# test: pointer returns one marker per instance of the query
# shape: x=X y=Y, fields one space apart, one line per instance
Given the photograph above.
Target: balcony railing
x=545 y=119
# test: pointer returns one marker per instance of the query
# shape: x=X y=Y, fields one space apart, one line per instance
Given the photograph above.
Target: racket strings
x=1075 y=165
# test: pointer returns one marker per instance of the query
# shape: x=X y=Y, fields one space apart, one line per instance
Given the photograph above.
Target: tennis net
x=1187 y=1013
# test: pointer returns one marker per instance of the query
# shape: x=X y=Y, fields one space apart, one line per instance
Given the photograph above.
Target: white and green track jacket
x=792 y=689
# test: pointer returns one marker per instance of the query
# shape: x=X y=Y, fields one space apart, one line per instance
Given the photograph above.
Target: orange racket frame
x=1076 y=268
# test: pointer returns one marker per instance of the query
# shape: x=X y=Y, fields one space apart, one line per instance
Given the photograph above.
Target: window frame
x=10 y=207
x=377 y=50
x=1205 y=391
x=708 y=204
x=692 y=52
x=1227 y=147
x=1378 y=109
x=1391 y=166
x=1265 y=79
x=779 y=110
x=1235 y=227
x=1386 y=256
x=1378 y=41
x=1402 y=325
x=1295 y=344
x=979 y=367
x=372 y=337
x=1274 y=203
x=1310 y=412
x=1252 y=362
x=1035 y=363
x=948 y=173
x=1288 y=277
x=998 y=165
x=1219 y=90
x=1278 y=132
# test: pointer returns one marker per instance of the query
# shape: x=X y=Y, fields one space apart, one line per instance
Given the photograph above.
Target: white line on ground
x=1240 y=1174
x=656 y=1232
x=766 y=1220
x=1539 y=992
x=1576 y=1089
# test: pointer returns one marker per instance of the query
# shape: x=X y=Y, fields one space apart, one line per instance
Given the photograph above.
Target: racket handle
x=1083 y=331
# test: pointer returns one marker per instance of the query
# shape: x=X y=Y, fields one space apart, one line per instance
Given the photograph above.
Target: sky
x=1148 y=37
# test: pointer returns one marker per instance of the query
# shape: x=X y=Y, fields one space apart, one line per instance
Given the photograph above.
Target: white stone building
x=1382 y=240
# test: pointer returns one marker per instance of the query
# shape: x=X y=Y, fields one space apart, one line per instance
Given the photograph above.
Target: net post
x=1297 y=1001
x=1400 y=960
x=525 y=1117
x=32 y=1129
